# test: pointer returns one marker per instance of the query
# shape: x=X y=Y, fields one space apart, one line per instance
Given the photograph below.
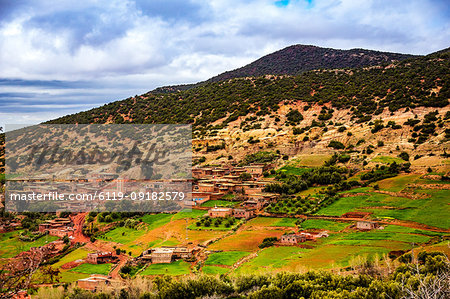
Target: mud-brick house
x=311 y=236
x=162 y=255
x=256 y=169
x=366 y=225
x=253 y=204
x=100 y=257
x=219 y=172
x=94 y=282
x=205 y=187
x=292 y=239
x=243 y=213
x=202 y=172
x=59 y=227
x=220 y=212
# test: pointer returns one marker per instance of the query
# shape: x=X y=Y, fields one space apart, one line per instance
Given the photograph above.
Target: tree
x=245 y=176
x=404 y=156
x=16 y=275
x=51 y=274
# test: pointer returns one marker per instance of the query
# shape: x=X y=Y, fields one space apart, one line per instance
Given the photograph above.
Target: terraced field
x=174 y=268
x=11 y=245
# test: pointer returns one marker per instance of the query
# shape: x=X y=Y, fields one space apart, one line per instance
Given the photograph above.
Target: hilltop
x=297 y=59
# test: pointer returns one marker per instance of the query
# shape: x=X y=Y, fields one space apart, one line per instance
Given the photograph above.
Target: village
x=246 y=186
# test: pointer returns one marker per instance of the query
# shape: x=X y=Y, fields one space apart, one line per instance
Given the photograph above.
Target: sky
x=61 y=57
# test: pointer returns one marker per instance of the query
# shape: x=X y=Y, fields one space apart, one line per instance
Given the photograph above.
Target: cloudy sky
x=61 y=57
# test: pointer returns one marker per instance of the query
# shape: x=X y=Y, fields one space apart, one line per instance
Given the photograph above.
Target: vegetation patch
x=214 y=270
x=175 y=268
x=102 y=269
x=286 y=222
x=156 y=220
x=323 y=224
x=188 y=213
x=387 y=160
x=227 y=258
x=218 y=203
x=123 y=235
x=271 y=258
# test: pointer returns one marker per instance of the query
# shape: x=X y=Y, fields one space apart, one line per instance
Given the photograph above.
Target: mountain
x=297 y=59
x=415 y=82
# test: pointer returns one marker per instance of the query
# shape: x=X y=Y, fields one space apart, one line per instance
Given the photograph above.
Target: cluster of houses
x=59 y=227
x=212 y=183
x=9 y=225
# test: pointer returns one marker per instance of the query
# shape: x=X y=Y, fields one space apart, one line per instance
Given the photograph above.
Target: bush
x=267 y=242
x=404 y=156
x=294 y=116
x=336 y=144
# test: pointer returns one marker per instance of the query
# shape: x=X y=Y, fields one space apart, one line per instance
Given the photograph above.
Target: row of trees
x=427 y=277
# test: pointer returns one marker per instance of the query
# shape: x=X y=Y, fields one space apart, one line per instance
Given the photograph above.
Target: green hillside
x=411 y=83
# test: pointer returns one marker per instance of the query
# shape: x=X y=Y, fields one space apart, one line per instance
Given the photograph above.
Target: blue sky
x=61 y=57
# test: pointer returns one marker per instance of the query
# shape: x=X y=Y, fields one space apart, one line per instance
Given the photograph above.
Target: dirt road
x=78 y=221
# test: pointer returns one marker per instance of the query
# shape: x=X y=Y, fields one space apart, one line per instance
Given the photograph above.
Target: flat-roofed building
x=162 y=255
x=292 y=239
x=220 y=212
x=94 y=282
x=243 y=213
x=366 y=225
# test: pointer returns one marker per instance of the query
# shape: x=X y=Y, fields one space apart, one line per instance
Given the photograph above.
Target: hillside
x=297 y=59
x=393 y=104
x=419 y=82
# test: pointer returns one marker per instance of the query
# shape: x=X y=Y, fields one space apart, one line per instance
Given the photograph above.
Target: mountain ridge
x=296 y=59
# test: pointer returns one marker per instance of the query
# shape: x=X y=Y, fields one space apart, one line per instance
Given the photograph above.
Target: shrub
x=336 y=144
x=404 y=156
x=294 y=116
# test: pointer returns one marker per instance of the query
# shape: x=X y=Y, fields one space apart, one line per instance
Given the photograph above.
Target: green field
x=398 y=183
x=328 y=256
x=360 y=238
x=77 y=254
x=285 y=222
x=272 y=258
x=10 y=245
x=403 y=229
x=387 y=160
x=123 y=235
x=219 y=203
x=68 y=276
x=309 y=160
x=214 y=270
x=432 y=211
x=175 y=268
x=186 y=213
x=348 y=204
x=156 y=220
x=323 y=224
x=92 y=269
x=293 y=170
x=227 y=258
